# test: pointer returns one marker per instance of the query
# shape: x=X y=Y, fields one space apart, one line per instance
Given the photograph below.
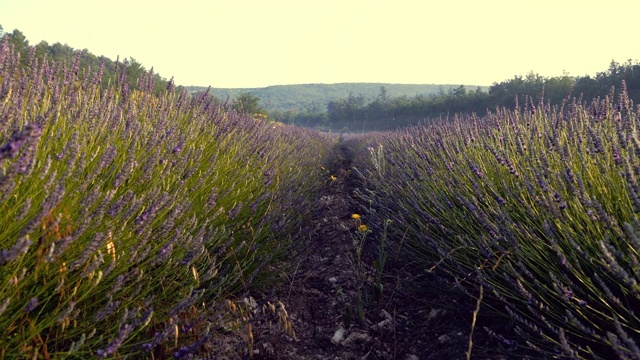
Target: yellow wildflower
x=363 y=228
x=333 y=178
x=355 y=216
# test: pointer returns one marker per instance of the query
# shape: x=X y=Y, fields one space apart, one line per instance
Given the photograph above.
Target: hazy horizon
x=261 y=43
x=335 y=83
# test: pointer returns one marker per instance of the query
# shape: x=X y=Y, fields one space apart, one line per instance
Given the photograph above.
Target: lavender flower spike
x=20 y=247
x=115 y=343
x=31 y=305
x=10 y=149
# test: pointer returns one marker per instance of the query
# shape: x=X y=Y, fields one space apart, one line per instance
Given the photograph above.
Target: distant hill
x=310 y=97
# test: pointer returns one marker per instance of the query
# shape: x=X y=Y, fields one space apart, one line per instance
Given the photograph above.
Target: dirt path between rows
x=328 y=299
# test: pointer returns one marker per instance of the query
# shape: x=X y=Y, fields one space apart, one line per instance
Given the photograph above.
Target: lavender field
x=129 y=220
x=131 y=223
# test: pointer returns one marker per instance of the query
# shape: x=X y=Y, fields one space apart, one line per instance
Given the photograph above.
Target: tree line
x=315 y=97
x=63 y=53
x=384 y=112
x=245 y=102
x=357 y=112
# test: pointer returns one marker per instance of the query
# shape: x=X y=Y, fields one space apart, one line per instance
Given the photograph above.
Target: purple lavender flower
x=31 y=305
x=65 y=314
x=10 y=149
x=99 y=259
x=97 y=76
x=171 y=86
x=97 y=241
x=19 y=248
x=31 y=133
x=476 y=170
x=213 y=197
x=116 y=342
x=182 y=352
x=235 y=211
x=107 y=158
x=166 y=250
x=118 y=284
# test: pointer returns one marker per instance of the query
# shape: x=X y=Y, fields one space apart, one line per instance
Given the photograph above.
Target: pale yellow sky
x=255 y=43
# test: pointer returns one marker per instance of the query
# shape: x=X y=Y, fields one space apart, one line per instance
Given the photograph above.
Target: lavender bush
x=538 y=205
x=128 y=219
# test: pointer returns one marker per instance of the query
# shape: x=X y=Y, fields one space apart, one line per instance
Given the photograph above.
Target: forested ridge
x=299 y=98
x=385 y=112
x=385 y=109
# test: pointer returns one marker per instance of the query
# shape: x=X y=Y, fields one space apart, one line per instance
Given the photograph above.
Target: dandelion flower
x=363 y=228
x=333 y=178
x=355 y=216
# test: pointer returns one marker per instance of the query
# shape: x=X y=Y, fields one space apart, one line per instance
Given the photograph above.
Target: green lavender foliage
x=128 y=219
x=538 y=204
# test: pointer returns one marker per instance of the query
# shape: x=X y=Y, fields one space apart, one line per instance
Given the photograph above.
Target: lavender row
x=539 y=205
x=128 y=219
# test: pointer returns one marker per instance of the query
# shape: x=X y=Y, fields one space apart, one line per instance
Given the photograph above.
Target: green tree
x=134 y=71
x=383 y=96
x=460 y=91
x=246 y=102
x=42 y=49
x=19 y=41
x=61 y=52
